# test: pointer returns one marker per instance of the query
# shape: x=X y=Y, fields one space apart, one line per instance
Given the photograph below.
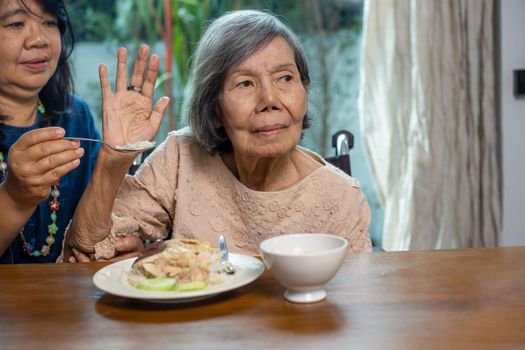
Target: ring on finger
x=135 y=88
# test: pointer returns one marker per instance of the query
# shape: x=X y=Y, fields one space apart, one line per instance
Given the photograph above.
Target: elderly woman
x=238 y=170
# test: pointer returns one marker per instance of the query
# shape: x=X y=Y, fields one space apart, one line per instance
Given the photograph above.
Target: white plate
x=112 y=279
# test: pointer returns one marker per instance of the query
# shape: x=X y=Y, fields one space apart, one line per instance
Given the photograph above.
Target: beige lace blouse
x=183 y=189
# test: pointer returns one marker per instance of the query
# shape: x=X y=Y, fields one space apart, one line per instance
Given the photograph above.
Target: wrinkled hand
x=37 y=160
x=128 y=116
x=125 y=247
x=128 y=247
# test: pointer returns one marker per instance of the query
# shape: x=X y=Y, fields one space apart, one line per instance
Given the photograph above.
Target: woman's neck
x=271 y=174
x=19 y=112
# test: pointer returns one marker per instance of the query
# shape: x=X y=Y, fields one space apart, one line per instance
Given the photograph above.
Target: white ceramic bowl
x=304 y=263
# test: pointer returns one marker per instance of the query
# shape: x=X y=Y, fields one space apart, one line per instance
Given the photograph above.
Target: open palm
x=128 y=114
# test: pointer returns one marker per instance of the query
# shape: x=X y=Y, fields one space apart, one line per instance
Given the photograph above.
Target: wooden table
x=449 y=299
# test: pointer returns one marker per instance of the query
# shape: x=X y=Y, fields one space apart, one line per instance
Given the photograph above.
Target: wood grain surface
x=447 y=299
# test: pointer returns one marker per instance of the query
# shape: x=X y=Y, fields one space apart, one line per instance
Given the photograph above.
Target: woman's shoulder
x=330 y=173
x=339 y=176
x=181 y=145
x=184 y=141
x=177 y=153
x=182 y=135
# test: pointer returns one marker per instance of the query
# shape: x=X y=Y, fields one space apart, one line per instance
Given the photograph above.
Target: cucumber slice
x=190 y=286
x=157 y=284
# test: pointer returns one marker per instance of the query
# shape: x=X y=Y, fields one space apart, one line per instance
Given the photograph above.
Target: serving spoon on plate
x=126 y=148
x=228 y=267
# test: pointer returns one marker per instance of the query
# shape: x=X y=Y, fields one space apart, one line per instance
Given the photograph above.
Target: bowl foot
x=304 y=296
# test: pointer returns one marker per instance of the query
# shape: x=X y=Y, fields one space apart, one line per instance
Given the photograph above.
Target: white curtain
x=428 y=114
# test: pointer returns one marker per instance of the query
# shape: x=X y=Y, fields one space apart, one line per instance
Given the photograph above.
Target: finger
x=137 y=76
x=151 y=76
x=72 y=259
x=67 y=254
x=104 y=81
x=54 y=175
x=45 y=149
x=36 y=136
x=126 y=244
x=80 y=257
x=44 y=157
x=121 y=82
x=158 y=111
x=57 y=160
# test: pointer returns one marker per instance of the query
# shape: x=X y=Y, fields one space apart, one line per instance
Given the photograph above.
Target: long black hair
x=56 y=94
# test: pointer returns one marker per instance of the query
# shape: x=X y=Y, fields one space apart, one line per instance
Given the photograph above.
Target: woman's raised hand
x=128 y=115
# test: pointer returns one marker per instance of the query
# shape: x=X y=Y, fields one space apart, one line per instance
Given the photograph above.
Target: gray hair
x=227 y=42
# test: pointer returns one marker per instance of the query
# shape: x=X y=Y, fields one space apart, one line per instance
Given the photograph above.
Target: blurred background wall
x=512 y=13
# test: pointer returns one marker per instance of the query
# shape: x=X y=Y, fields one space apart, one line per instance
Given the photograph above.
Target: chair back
x=138 y=161
x=343 y=142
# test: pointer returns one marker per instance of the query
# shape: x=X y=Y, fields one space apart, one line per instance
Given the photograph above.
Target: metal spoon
x=116 y=148
x=227 y=266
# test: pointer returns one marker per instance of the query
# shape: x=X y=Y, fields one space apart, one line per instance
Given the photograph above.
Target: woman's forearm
x=128 y=116
x=92 y=219
x=13 y=217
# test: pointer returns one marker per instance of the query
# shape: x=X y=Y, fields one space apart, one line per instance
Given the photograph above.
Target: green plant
x=92 y=20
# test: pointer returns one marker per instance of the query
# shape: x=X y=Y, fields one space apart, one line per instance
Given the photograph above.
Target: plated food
x=114 y=279
x=178 y=265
